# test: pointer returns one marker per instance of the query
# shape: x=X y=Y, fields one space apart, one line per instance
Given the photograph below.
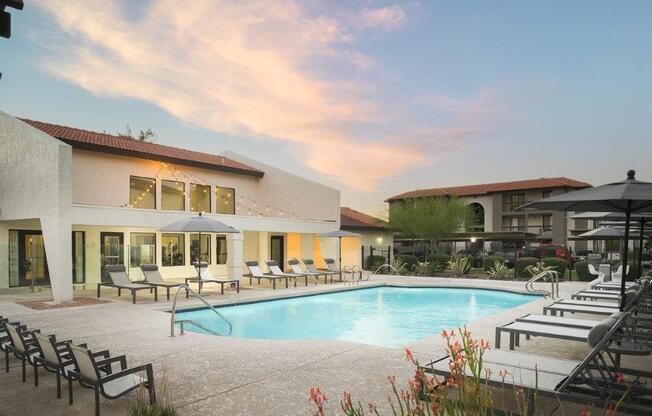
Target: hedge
x=582 y=271
x=559 y=265
x=488 y=262
x=437 y=262
x=411 y=262
x=522 y=264
x=374 y=262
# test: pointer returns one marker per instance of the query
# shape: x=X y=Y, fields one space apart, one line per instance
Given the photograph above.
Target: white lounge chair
x=118 y=275
x=296 y=269
x=275 y=270
x=207 y=276
x=256 y=273
x=154 y=278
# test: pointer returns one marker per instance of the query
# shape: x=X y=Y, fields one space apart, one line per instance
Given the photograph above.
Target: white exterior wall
x=35 y=183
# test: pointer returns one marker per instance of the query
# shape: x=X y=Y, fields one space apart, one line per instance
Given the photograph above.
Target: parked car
x=557 y=250
x=582 y=255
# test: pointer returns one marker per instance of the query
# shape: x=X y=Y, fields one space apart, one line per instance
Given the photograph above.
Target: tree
x=143 y=135
x=429 y=218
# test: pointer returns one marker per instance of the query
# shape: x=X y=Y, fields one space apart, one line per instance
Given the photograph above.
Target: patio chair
x=588 y=381
x=296 y=269
x=256 y=273
x=5 y=339
x=153 y=277
x=119 y=279
x=598 y=274
x=23 y=346
x=275 y=270
x=330 y=263
x=56 y=357
x=89 y=371
x=310 y=266
x=208 y=277
x=618 y=274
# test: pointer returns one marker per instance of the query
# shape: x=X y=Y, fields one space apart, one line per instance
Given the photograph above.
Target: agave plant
x=422 y=269
x=540 y=267
x=460 y=265
x=500 y=271
x=400 y=267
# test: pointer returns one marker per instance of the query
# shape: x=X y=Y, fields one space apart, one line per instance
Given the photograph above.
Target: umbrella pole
x=628 y=214
x=199 y=264
x=340 y=249
x=640 y=249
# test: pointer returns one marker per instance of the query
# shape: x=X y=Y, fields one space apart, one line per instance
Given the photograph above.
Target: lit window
x=142 y=192
x=195 y=253
x=221 y=250
x=173 y=249
x=200 y=198
x=173 y=195
x=142 y=249
x=225 y=200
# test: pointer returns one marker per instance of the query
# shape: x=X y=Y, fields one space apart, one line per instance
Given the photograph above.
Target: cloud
x=388 y=18
x=256 y=69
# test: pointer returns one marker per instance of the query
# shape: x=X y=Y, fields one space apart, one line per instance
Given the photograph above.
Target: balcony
x=540 y=230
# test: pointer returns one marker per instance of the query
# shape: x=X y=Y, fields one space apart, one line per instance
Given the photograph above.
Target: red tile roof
x=103 y=142
x=350 y=218
x=488 y=188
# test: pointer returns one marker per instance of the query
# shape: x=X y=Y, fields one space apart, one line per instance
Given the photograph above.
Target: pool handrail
x=174 y=321
x=388 y=266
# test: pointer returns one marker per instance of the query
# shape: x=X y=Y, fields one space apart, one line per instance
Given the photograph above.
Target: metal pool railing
x=181 y=322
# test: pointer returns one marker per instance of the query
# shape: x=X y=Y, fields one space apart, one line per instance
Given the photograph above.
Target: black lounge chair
x=119 y=280
x=23 y=346
x=56 y=357
x=256 y=273
x=153 y=278
x=90 y=373
x=5 y=340
x=310 y=265
x=207 y=276
x=588 y=381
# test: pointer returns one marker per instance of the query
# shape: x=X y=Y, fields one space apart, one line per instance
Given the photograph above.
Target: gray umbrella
x=629 y=196
x=199 y=224
x=340 y=234
x=604 y=233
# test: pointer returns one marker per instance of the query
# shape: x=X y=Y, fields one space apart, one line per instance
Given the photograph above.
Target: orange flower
x=620 y=378
x=408 y=355
x=586 y=411
x=444 y=334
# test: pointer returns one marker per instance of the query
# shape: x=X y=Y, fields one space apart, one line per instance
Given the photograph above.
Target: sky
x=374 y=98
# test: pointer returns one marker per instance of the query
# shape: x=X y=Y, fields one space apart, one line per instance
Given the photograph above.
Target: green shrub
x=522 y=264
x=500 y=271
x=557 y=265
x=488 y=262
x=460 y=264
x=374 y=262
x=582 y=271
x=437 y=262
x=156 y=409
x=411 y=262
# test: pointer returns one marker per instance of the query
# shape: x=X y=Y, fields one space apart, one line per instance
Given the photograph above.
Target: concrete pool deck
x=210 y=375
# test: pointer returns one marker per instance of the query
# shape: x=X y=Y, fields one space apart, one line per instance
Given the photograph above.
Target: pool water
x=385 y=316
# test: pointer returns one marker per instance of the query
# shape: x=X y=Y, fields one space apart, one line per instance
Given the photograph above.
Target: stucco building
x=377 y=239
x=495 y=205
x=73 y=201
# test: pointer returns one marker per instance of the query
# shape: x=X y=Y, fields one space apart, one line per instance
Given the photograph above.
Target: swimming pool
x=385 y=316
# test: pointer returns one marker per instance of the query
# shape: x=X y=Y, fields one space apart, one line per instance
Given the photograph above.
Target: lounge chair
x=56 y=357
x=256 y=273
x=208 y=277
x=296 y=269
x=330 y=263
x=581 y=382
x=119 y=279
x=310 y=266
x=89 y=371
x=153 y=277
x=275 y=270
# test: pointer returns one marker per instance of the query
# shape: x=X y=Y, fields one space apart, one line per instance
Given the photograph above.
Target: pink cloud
x=245 y=68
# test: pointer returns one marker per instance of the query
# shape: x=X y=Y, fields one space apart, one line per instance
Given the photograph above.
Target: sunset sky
x=374 y=98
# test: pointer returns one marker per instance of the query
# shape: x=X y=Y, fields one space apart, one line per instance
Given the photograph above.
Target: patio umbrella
x=339 y=234
x=629 y=197
x=643 y=220
x=199 y=224
x=604 y=233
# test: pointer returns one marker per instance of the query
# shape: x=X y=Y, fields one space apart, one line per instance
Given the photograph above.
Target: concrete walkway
x=210 y=375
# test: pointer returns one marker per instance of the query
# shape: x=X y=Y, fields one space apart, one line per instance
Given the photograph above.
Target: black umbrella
x=340 y=234
x=199 y=224
x=629 y=197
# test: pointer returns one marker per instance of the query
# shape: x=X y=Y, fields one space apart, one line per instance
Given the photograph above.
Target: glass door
x=32 y=263
x=111 y=251
x=276 y=251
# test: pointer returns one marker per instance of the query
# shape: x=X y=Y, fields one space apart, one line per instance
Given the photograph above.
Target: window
x=142 y=192
x=195 y=254
x=78 y=257
x=173 y=249
x=547 y=222
x=142 y=249
x=546 y=194
x=224 y=200
x=200 y=198
x=221 y=250
x=173 y=195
